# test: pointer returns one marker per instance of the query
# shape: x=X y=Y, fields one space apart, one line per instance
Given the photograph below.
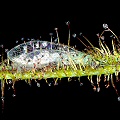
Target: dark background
x=63 y=101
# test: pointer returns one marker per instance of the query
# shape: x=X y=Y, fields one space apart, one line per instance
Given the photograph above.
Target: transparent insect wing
x=44 y=44
x=37 y=45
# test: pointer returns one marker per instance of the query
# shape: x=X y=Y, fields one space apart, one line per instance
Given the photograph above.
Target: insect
x=38 y=59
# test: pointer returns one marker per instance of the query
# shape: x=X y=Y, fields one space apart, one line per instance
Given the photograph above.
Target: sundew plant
x=37 y=59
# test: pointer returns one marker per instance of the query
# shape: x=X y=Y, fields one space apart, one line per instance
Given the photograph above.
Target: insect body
x=42 y=59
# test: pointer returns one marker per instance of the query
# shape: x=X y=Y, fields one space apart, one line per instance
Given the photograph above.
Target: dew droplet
x=98 y=89
x=38 y=84
x=105 y=26
x=16 y=41
x=119 y=98
x=22 y=39
x=13 y=95
x=74 y=35
x=67 y=23
x=1 y=46
x=49 y=84
x=81 y=84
